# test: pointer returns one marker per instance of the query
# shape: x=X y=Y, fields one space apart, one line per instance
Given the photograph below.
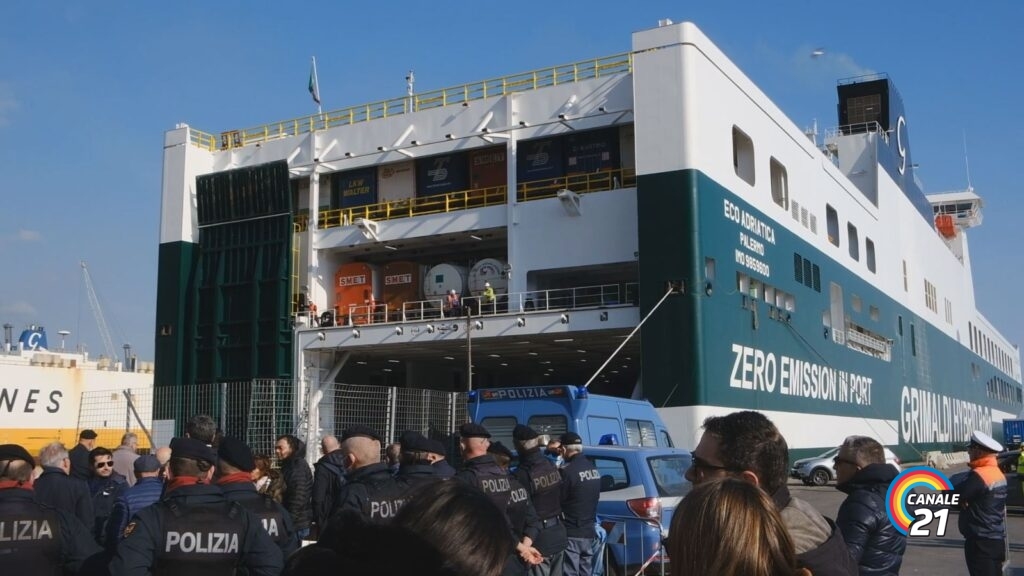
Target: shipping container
x=539 y=160
x=442 y=174
x=1013 y=433
x=402 y=283
x=442 y=279
x=396 y=181
x=356 y=293
x=592 y=151
x=488 y=167
x=354 y=188
x=488 y=270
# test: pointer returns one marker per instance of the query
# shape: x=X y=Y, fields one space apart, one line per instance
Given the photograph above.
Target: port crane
x=97 y=312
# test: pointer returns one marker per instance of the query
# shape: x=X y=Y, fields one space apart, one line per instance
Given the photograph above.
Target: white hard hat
x=487 y=284
x=453 y=290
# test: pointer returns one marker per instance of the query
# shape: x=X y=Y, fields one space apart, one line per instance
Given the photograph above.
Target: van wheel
x=820 y=477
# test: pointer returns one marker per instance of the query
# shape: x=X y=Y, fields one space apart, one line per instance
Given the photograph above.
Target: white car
x=819 y=470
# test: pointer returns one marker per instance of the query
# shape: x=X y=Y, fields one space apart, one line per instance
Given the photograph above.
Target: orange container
x=401 y=284
x=356 y=292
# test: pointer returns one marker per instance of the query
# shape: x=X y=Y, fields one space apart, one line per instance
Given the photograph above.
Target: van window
x=614 y=475
x=500 y=428
x=670 y=474
x=666 y=439
x=553 y=426
x=640 y=433
x=599 y=426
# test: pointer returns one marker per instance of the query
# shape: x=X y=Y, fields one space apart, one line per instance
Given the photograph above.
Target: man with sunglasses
x=862 y=472
x=747 y=445
x=106 y=486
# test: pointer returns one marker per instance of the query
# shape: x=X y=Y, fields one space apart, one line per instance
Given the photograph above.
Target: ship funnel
x=8 y=334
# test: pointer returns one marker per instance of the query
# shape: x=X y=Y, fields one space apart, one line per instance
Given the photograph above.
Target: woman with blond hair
x=730 y=527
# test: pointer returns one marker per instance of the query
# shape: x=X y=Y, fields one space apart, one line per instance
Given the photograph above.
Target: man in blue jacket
x=146 y=492
x=57 y=488
x=861 y=472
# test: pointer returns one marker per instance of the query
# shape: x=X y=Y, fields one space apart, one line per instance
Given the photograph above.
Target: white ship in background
x=41 y=393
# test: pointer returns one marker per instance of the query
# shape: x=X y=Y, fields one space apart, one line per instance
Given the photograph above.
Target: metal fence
x=259 y=411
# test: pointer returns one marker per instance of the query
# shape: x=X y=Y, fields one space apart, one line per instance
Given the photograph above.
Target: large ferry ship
x=48 y=394
x=656 y=192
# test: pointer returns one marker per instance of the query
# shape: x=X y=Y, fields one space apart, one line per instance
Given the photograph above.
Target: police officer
x=415 y=469
x=525 y=523
x=544 y=484
x=437 y=459
x=234 y=476
x=35 y=538
x=194 y=529
x=983 y=507
x=371 y=490
x=581 y=489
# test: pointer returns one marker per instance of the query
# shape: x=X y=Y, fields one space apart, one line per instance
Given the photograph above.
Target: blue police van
x=553 y=410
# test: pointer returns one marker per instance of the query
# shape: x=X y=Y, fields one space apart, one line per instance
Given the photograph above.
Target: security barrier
x=634 y=546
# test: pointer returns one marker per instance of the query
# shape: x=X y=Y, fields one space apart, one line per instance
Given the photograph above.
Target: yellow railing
x=524 y=82
x=477 y=198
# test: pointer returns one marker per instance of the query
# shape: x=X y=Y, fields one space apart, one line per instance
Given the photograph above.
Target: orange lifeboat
x=944 y=224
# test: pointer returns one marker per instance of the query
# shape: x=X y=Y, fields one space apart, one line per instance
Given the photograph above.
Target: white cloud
x=29 y=235
x=18 y=308
x=8 y=103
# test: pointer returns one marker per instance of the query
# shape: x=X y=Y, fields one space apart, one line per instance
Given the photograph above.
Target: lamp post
x=469 y=349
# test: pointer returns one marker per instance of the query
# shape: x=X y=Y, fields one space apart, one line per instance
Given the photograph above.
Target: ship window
x=970 y=330
x=816 y=278
x=795 y=209
x=851 y=233
x=873 y=312
x=833 y=224
x=949 y=311
x=869 y=247
x=709 y=269
x=855 y=303
x=742 y=282
x=780 y=183
x=769 y=294
x=899 y=325
x=743 y=155
x=814 y=224
x=913 y=340
x=930 y=297
x=906 y=287
x=798 y=268
x=790 y=303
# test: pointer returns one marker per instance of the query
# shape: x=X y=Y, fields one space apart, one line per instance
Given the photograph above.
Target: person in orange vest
x=983 y=507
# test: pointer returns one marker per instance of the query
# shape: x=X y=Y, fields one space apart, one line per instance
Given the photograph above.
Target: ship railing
x=557 y=299
x=838 y=336
x=870 y=344
x=475 y=198
x=453 y=96
x=872 y=127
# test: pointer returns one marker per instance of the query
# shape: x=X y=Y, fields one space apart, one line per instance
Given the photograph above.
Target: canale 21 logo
x=918 y=500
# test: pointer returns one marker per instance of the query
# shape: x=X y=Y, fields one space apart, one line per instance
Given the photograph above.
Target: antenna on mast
x=967 y=164
x=410 y=80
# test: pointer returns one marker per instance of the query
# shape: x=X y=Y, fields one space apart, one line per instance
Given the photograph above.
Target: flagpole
x=316 y=82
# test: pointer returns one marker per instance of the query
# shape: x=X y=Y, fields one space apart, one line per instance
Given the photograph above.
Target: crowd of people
x=206 y=504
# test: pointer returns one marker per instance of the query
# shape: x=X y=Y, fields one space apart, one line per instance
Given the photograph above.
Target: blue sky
x=88 y=89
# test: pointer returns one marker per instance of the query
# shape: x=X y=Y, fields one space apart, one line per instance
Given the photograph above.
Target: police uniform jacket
x=544 y=485
x=146 y=492
x=873 y=541
x=371 y=491
x=57 y=489
x=581 y=489
x=411 y=476
x=274 y=518
x=983 y=501
x=105 y=491
x=444 y=469
x=39 y=539
x=328 y=478
x=484 y=473
x=298 y=484
x=194 y=530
